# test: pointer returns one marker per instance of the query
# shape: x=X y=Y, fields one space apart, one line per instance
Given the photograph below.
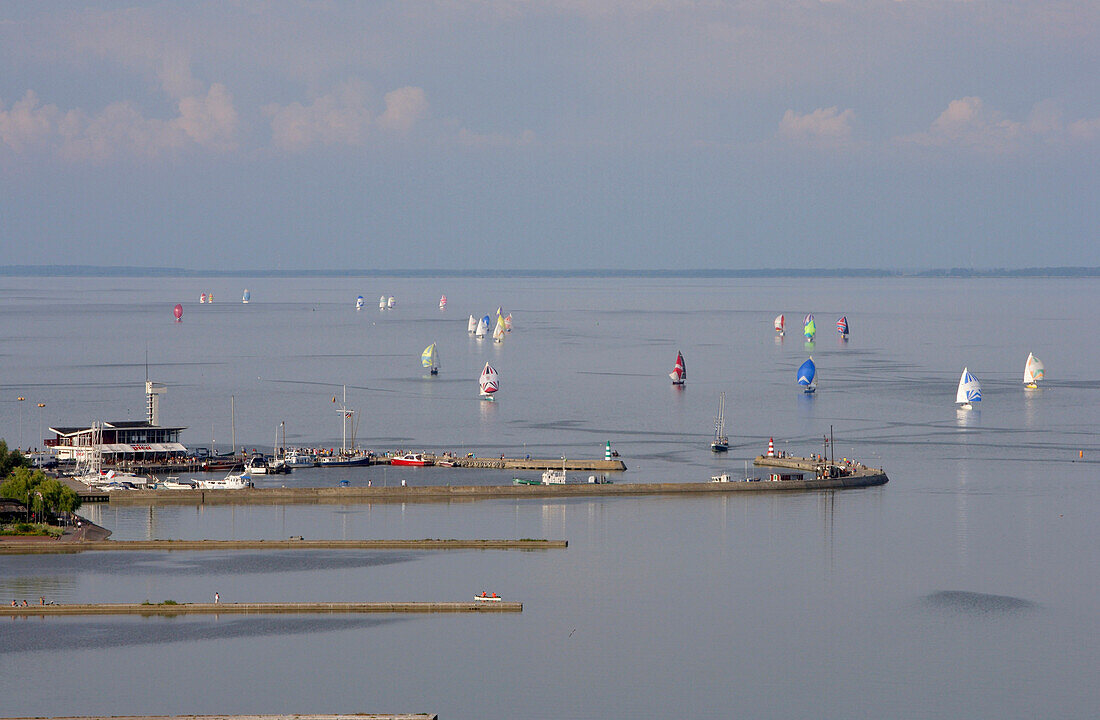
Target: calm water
x=967 y=587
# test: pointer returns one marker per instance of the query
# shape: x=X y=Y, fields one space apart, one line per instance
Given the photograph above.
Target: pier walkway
x=49 y=547
x=260 y=608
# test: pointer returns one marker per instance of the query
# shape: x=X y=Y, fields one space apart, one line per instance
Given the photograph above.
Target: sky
x=561 y=134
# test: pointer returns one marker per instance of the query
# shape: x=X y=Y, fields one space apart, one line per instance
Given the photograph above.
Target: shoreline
x=55 y=547
x=260 y=608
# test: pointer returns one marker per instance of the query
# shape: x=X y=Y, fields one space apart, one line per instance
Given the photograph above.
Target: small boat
x=842 y=327
x=525 y=481
x=679 y=371
x=391 y=302
x=489 y=382
x=430 y=359
x=809 y=329
x=247 y=297
x=257 y=465
x=724 y=477
x=471 y=326
x=498 y=331
x=210 y=298
x=482 y=327
x=202 y=299
x=442 y=302
x=488 y=597
x=359 y=303
x=554 y=477
x=172 y=482
x=721 y=441
x=1034 y=371
x=807 y=371
x=410 y=459
x=382 y=303
x=349 y=459
x=969 y=392
x=232 y=481
x=299 y=459
x=779 y=324
x=508 y=322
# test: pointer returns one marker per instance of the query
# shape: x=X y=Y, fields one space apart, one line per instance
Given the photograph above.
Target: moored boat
x=411 y=459
x=721 y=442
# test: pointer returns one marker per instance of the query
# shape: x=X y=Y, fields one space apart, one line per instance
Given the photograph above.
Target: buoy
x=1081 y=454
x=771 y=447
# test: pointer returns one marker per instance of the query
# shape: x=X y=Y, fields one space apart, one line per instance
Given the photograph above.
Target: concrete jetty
x=468 y=493
x=260 y=608
x=52 y=547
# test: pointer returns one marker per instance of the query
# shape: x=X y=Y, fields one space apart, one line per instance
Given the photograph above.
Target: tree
x=39 y=491
x=9 y=460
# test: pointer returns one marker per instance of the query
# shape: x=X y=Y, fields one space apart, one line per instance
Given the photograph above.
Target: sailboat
x=202 y=298
x=498 y=331
x=842 y=327
x=442 y=302
x=809 y=329
x=482 y=327
x=779 y=324
x=247 y=297
x=807 y=371
x=347 y=456
x=359 y=303
x=430 y=359
x=382 y=303
x=721 y=441
x=391 y=302
x=970 y=390
x=489 y=382
x=679 y=371
x=508 y=322
x=471 y=326
x=1034 y=371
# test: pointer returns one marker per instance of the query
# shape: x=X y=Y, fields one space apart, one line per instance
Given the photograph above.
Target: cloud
x=968 y=123
x=404 y=107
x=204 y=121
x=343 y=117
x=824 y=127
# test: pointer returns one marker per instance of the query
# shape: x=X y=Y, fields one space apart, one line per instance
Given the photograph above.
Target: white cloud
x=824 y=126
x=404 y=107
x=343 y=117
x=205 y=121
x=968 y=123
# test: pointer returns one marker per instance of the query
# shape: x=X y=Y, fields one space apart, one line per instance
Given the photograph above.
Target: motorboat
x=232 y=481
x=172 y=482
x=414 y=459
x=298 y=459
x=257 y=465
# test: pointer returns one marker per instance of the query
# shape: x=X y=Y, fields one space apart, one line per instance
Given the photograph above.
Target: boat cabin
x=123 y=441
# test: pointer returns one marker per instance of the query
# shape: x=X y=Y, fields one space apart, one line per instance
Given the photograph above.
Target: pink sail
x=178 y=312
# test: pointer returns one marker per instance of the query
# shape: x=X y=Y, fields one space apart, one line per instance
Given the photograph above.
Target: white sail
x=382 y=303
x=970 y=390
x=482 y=328
x=498 y=331
x=779 y=323
x=391 y=302
x=442 y=301
x=1034 y=370
x=359 y=303
x=471 y=326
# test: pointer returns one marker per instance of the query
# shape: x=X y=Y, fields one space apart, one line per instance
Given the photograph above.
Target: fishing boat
x=1034 y=371
x=410 y=459
x=489 y=382
x=809 y=329
x=359 y=303
x=969 y=392
x=721 y=441
x=508 y=322
x=442 y=302
x=247 y=297
x=498 y=331
x=842 y=327
x=391 y=302
x=482 y=327
x=807 y=371
x=471 y=325
x=430 y=359
x=779 y=325
x=679 y=370
x=488 y=597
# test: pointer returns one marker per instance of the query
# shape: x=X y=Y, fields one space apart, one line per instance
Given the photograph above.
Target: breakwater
x=465 y=493
x=355 y=716
x=47 y=547
x=259 y=608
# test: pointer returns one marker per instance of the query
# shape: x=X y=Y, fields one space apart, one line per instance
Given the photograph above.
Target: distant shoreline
x=807 y=273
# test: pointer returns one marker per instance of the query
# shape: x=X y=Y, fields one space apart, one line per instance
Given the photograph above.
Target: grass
x=31 y=530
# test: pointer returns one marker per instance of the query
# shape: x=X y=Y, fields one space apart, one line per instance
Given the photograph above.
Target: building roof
x=118 y=425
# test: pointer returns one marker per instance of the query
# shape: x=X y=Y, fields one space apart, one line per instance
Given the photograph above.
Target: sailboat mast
x=344 y=421
x=233 y=421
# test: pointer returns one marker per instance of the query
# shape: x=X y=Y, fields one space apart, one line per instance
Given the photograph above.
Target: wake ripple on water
x=962 y=601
